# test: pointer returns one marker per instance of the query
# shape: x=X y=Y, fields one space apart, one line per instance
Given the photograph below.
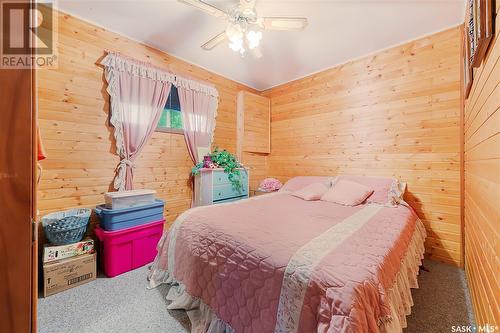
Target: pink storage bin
x=128 y=249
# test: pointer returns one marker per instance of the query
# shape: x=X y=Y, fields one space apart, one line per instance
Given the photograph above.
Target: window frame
x=170 y=130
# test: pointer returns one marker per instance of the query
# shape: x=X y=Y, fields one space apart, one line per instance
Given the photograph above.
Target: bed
x=277 y=263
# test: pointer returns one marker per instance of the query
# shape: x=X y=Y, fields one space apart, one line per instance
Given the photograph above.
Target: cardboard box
x=68 y=273
x=53 y=253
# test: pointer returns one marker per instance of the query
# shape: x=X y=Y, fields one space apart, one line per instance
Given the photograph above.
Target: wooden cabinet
x=253 y=142
x=253 y=123
x=212 y=186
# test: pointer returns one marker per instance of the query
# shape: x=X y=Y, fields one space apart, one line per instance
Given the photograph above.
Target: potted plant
x=225 y=160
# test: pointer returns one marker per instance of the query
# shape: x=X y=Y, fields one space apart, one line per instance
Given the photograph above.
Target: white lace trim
x=302 y=264
x=115 y=120
x=399 y=295
x=216 y=101
x=203 y=319
x=136 y=67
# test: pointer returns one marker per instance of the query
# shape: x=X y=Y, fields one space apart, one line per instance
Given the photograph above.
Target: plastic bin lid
x=131 y=193
x=102 y=209
x=102 y=234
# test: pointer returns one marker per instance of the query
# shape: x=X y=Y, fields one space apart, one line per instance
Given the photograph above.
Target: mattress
x=277 y=263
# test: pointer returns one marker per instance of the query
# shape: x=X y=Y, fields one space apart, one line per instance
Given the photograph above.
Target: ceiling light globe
x=253 y=38
x=234 y=31
x=236 y=45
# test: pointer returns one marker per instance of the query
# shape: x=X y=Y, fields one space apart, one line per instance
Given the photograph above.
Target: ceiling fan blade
x=207 y=8
x=214 y=41
x=284 y=23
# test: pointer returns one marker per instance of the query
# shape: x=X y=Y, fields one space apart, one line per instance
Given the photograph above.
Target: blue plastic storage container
x=117 y=219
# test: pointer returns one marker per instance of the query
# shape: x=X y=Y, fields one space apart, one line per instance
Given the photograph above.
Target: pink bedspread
x=277 y=263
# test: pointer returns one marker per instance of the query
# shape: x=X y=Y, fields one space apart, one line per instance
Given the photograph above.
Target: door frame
x=18 y=233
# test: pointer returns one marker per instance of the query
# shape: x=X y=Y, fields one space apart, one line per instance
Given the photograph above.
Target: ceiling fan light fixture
x=245 y=28
x=253 y=38
x=237 y=46
x=235 y=31
x=242 y=35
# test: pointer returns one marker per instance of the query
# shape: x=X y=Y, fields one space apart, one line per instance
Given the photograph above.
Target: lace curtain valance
x=135 y=67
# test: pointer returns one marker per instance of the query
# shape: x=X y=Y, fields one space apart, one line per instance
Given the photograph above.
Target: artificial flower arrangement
x=270 y=185
x=225 y=160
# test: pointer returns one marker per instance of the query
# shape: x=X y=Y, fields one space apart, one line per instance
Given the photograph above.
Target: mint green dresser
x=212 y=186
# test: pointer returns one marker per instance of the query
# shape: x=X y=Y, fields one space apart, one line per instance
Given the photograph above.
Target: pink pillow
x=299 y=182
x=387 y=190
x=347 y=193
x=311 y=192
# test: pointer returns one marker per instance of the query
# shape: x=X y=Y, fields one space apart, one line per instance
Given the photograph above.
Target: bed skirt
x=204 y=320
x=400 y=299
x=201 y=316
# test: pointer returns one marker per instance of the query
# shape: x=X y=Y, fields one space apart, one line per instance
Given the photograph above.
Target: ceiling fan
x=244 y=29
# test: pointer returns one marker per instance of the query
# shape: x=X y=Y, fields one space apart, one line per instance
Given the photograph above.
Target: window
x=171 y=118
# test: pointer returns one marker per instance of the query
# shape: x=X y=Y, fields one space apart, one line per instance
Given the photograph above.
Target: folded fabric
x=347 y=193
x=311 y=192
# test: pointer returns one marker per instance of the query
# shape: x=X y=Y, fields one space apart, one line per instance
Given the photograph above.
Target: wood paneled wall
x=394 y=113
x=254 y=123
x=74 y=123
x=253 y=135
x=482 y=185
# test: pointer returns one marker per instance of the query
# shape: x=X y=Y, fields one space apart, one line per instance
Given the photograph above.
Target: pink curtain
x=199 y=111
x=141 y=101
x=138 y=94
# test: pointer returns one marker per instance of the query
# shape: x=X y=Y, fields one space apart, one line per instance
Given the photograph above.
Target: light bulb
x=254 y=38
x=236 y=45
x=234 y=31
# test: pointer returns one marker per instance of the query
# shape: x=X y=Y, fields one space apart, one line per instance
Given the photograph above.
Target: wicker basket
x=67 y=226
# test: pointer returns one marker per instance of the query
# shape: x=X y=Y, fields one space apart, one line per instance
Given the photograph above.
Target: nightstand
x=260 y=192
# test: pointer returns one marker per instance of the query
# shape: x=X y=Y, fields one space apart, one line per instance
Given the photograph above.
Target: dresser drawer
x=212 y=186
x=226 y=191
x=222 y=178
x=228 y=200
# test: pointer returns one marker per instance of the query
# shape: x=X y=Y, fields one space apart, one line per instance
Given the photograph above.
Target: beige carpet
x=123 y=304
